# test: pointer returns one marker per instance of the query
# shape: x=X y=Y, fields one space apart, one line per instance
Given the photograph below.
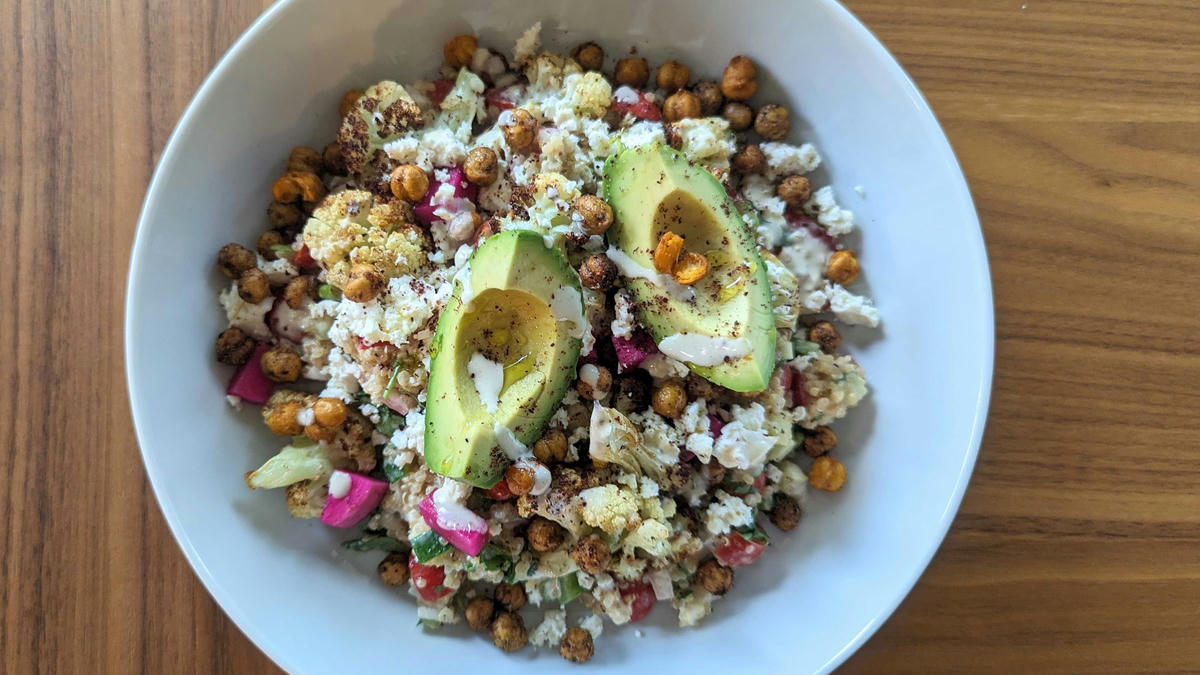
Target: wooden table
x=1078 y=544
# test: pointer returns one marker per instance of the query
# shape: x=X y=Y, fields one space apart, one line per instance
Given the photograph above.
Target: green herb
x=392 y=380
x=568 y=589
x=429 y=545
x=328 y=292
x=389 y=421
x=533 y=565
x=495 y=558
x=283 y=251
x=736 y=487
x=804 y=347
x=429 y=624
x=393 y=472
x=375 y=542
x=752 y=533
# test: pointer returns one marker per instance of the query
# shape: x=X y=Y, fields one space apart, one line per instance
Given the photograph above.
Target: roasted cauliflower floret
x=610 y=508
x=381 y=114
x=300 y=461
x=351 y=227
x=785 y=289
x=306 y=499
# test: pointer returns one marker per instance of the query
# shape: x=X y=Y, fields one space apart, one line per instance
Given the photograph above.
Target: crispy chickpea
x=795 y=190
x=393 y=570
x=331 y=159
x=296 y=186
x=681 y=105
x=508 y=632
x=520 y=129
x=304 y=158
x=281 y=419
x=482 y=166
x=459 y=49
x=842 y=267
x=593 y=388
x=710 y=96
x=519 y=479
x=827 y=474
x=298 y=289
x=253 y=286
x=576 y=645
x=690 y=268
x=318 y=433
x=348 y=100
x=739 y=115
x=740 y=79
x=785 y=514
x=669 y=399
x=673 y=75
x=715 y=577
x=591 y=554
x=666 y=254
x=820 y=441
x=596 y=213
x=284 y=216
x=631 y=392
x=545 y=535
x=825 y=334
x=281 y=364
x=597 y=272
x=551 y=448
x=365 y=283
x=632 y=71
x=329 y=412
x=510 y=596
x=233 y=259
x=266 y=243
x=715 y=472
x=478 y=612
x=409 y=182
x=589 y=55
x=750 y=159
x=773 y=122
x=234 y=347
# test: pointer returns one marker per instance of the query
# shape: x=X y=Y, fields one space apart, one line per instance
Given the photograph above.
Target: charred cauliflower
x=352 y=227
x=381 y=114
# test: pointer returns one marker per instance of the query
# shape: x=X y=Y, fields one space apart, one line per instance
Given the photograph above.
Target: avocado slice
x=722 y=327
x=503 y=356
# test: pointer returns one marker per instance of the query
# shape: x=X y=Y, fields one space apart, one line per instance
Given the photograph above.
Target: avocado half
x=503 y=355
x=654 y=188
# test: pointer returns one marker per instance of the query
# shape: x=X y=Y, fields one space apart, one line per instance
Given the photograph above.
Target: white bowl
x=909 y=448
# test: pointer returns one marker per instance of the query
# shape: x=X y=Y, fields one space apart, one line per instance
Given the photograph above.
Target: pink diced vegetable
x=799 y=220
x=715 y=425
x=364 y=495
x=250 y=383
x=463 y=189
x=632 y=351
x=460 y=526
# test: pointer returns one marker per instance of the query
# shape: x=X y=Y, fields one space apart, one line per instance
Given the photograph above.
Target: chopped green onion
x=804 y=347
x=392 y=379
x=375 y=542
x=328 y=292
x=429 y=545
x=752 y=533
x=283 y=251
x=429 y=624
x=568 y=589
x=495 y=558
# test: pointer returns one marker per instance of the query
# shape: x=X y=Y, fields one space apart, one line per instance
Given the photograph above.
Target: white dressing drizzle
x=704 y=350
x=509 y=443
x=449 y=501
x=488 y=377
x=567 y=305
x=632 y=270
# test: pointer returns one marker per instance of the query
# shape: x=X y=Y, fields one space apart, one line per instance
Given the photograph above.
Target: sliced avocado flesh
x=653 y=189
x=523 y=313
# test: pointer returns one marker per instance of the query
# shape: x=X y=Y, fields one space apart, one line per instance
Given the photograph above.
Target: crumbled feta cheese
x=550 y=630
x=744 y=443
x=824 y=208
x=250 y=318
x=727 y=512
x=625 y=322
x=528 y=44
x=593 y=624
x=785 y=159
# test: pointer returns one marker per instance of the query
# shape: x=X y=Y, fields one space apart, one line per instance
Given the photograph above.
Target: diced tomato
x=760 y=482
x=644 y=108
x=736 y=551
x=495 y=97
x=440 y=89
x=363 y=345
x=799 y=392
x=303 y=259
x=500 y=491
x=715 y=425
x=641 y=597
x=799 y=220
x=429 y=580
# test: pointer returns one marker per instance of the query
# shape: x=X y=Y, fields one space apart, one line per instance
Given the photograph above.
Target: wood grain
x=1077 y=548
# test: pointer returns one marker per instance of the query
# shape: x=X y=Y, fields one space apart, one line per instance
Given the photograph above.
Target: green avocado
x=727 y=314
x=503 y=356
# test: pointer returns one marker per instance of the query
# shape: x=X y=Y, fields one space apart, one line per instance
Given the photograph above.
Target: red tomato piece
x=737 y=551
x=303 y=259
x=495 y=97
x=799 y=392
x=364 y=345
x=428 y=580
x=760 y=482
x=500 y=491
x=644 y=108
x=440 y=89
x=641 y=597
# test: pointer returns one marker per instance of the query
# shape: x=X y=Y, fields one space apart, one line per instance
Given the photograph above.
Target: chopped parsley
x=429 y=545
x=375 y=542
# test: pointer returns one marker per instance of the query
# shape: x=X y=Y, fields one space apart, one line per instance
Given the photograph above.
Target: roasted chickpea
x=393 y=570
x=596 y=214
x=233 y=259
x=749 y=160
x=673 y=75
x=510 y=596
x=478 y=612
x=773 y=122
x=296 y=186
x=482 y=167
x=591 y=554
x=631 y=392
x=842 y=267
x=667 y=252
x=710 y=96
x=669 y=399
x=316 y=433
x=690 y=268
x=632 y=71
x=253 y=286
x=304 y=158
x=597 y=272
x=545 y=535
x=551 y=448
x=795 y=190
x=508 y=632
x=281 y=418
x=234 y=347
x=409 y=182
x=820 y=441
x=266 y=241
x=284 y=216
x=739 y=115
x=329 y=412
x=365 y=283
x=519 y=128
x=681 y=105
x=281 y=364
x=519 y=479
x=576 y=645
x=740 y=79
x=331 y=158
x=459 y=49
x=348 y=100
x=825 y=334
x=785 y=514
x=589 y=55
x=594 y=382
x=715 y=472
x=827 y=474
x=298 y=289
x=715 y=577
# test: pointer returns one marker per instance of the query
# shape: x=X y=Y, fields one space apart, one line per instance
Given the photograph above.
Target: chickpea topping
x=842 y=267
x=298 y=289
x=589 y=55
x=825 y=334
x=603 y=384
x=306 y=159
x=296 y=186
x=750 y=159
x=773 y=122
x=740 y=79
x=795 y=190
x=710 y=96
x=666 y=254
x=591 y=554
x=459 y=49
x=545 y=535
x=669 y=399
x=331 y=157
x=632 y=392
x=478 y=612
x=281 y=364
x=508 y=632
x=519 y=479
x=785 y=514
x=715 y=472
x=827 y=474
x=482 y=166
x=576 y=645
x=673 y=75
x=690 y=268
x=266 y=240
x=253 y=286
x=597 y=272
x=681 y=105
x=316 y=432
x=521 y=132
x=596 y=213
x=739 y=115
x=409 y=182
x=283 y=216
x=632 y=71
x=233 y=259
x=281 y=419
x=820 y=441
x=365 y=283
x=329 y=412
x=510 y=596
x=393 y=570
x=715 y=577
x=348 y=100
x=551 y=448
x=234 y=347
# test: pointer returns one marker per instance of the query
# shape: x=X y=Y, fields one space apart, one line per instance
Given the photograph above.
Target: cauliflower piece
x=615 y=439
x=550 y=630
x=706 y=140
x=792 y=481
x=381 y=114
x=609 y=507
x=692 y=608
x=562 y=502
x=651 y=536
x=462 y=105
x=351 y=227
x=727 y=512
x=785 y=287
x=528 y=44
x=299 y=461
x=248 y=317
